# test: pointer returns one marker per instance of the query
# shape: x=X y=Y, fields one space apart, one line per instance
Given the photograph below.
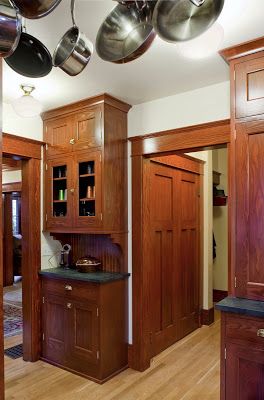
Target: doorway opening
x=12 y=247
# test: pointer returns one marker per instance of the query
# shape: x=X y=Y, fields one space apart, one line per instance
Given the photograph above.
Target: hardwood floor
x=188 y=370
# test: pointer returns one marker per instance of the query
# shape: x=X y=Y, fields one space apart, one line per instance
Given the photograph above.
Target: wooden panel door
x=188 y=244
x=59 y=193
x=88 y=190
x=59 y=135
x=244 y=372
x=54 y=345
x=172 y=256
x=83 y=334
x=250 y=210
x=249 y=88
x=87 y=126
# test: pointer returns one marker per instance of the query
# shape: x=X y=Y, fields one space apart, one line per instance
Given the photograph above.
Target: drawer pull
x=68 y=287
x=260 y=333
x=72 y=141
x=69 y=305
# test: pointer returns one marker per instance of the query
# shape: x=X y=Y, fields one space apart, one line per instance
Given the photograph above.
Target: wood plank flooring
x=188 y=370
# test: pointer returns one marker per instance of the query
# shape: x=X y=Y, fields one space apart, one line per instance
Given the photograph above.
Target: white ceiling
x=159 y=73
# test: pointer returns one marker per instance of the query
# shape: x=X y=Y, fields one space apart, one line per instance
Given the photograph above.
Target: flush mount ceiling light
x=203 y=46
x=27 y=106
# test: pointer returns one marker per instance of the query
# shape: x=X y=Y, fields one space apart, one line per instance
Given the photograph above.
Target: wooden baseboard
x=219 y=295
x=207 y=316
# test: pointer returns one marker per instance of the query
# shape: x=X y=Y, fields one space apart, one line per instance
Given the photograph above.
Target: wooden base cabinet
x=242 y=360
x=85 y=327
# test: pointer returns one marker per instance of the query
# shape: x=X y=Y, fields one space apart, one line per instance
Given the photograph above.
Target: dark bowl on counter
x=88 y=264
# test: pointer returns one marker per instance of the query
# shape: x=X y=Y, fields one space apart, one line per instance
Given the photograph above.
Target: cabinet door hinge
x=43 y=300
x=235 y=282
x=47 y=146
x=100 y=158
x=97 y=354
x=97 y=312
x=46 y=167
x=235 y=133
x=234 y=74
x=101 y=216
x=43 y=336
x=225 y=353
x=46 y=217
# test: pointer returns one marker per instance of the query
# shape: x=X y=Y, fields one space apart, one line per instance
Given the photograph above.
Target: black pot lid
x=31 y=58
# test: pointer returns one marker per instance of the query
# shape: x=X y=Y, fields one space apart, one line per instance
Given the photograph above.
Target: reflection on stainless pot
x=127 y=33
x=10 y=28
x=35 y=8
x=181 y=20
x=74 y=49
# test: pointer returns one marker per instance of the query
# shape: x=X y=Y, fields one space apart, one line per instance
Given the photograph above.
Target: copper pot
x=88 y=264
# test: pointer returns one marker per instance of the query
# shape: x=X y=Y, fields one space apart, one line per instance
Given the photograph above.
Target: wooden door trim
x=199 y=137
x=2 y=385
x=30 y=151
x=8 y=263
x=12 y=187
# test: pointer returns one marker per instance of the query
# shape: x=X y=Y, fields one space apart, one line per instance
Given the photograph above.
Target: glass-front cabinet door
x=88 y=198
x=58 y=192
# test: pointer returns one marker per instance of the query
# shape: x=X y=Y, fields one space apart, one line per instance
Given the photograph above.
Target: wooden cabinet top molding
x=91 y=101
x=243 y=49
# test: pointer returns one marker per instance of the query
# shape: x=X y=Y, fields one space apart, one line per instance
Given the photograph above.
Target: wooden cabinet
x=86 y=142
x=249 y=87
x=242 y=358
x=249 y=178
x=74 y=191
x=85 y=326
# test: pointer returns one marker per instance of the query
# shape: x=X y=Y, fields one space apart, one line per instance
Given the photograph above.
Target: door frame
x=198 y=137
x=30 y=151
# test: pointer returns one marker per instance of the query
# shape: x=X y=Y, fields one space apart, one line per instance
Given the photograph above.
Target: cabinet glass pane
x=59 y=191
x=87 y=195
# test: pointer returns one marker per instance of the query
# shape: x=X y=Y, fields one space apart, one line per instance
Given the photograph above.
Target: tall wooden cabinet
x=86 y=167
x=242 y=348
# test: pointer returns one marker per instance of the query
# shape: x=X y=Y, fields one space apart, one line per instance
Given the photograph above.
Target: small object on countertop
x=65 y=261
x=88 y=264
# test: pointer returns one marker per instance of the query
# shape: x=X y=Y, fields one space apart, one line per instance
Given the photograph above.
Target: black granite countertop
x=241 y=306
x=96 y=277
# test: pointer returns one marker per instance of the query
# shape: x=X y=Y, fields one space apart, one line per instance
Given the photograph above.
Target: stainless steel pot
x=74 y=49
x=126 y=33
x=10 y=28
x=181 y=20
x=34 y=9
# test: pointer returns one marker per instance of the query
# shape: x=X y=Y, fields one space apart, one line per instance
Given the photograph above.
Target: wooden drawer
x=71 y=288
x=244 y=328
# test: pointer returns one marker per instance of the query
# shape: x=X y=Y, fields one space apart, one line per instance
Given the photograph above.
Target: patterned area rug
x=13 y=322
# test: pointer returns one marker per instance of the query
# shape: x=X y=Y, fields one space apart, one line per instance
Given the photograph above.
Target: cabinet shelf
x=59 y=201
x=86 y=175
x=60 y=179
x=88 y=199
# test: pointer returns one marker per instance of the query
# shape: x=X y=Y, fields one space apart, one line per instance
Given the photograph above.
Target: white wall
x=207 y=104
x=31 y=128
x=11 y=176
x=220 y=224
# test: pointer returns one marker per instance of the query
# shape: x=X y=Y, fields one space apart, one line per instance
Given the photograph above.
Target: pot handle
x=198 y=3
x=72 y=12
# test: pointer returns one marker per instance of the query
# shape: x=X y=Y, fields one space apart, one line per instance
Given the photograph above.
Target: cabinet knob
x=72 y=141
x=68 y=287
x=72 y=190
x=260 y=333
x=69 y=305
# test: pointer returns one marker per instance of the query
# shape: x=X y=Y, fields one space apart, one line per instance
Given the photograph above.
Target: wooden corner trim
x=104 y=98
x=207 y=316
x=242 y=50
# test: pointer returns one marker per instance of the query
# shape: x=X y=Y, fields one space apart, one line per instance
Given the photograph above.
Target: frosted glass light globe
x=203 y=46
x=27 y=106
